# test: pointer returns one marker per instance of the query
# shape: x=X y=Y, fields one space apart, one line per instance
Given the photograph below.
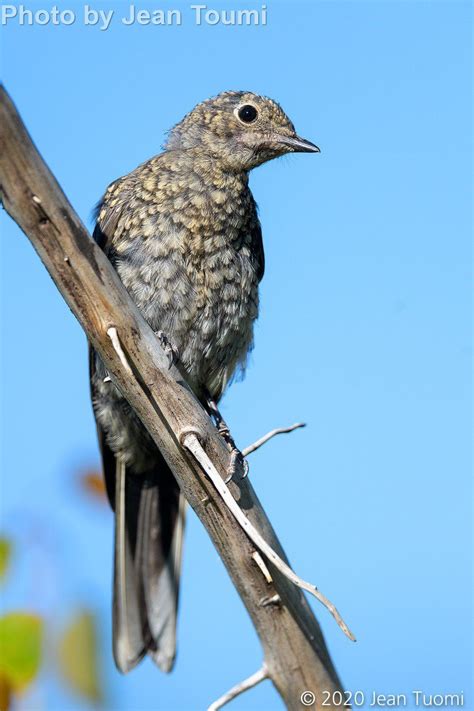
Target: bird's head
x=240 y=129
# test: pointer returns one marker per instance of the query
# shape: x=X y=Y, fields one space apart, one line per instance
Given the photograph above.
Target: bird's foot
x=237 y=463
x=237 y=459
x=171 y=351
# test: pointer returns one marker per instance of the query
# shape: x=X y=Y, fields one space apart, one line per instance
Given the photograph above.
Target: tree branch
x=263 y=440
x=191 y=441
x=295 y=653
x=238 y=689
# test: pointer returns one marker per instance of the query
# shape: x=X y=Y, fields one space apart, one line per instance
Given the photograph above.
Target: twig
x=273 y=600
x=113 y=335
x=238 y=689
x=191 y=441
x=279 y=430
x=261 y=564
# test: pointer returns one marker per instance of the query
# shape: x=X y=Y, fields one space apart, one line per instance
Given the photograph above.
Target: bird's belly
x=206 y=310
x=217 y=342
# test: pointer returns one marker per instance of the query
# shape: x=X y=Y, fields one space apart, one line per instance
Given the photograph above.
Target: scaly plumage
x=183 y=234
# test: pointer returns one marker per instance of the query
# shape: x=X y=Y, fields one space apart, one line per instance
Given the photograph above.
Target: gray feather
x=128 y=638
x=161 y=577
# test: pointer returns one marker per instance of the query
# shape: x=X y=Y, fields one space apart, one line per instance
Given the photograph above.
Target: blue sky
x=364 y=334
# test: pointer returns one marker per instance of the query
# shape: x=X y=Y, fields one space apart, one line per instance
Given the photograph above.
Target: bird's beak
x=299 y=145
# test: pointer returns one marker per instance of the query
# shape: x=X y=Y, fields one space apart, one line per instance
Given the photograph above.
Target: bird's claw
x=171 y=351
x=224 y=432
x=237 y=461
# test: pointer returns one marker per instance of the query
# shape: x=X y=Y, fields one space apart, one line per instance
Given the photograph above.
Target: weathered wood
x=295 y=653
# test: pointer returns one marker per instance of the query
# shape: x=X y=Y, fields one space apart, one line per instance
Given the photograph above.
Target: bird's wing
x=108 y=457
x=107 y=214
x=257 y=249
x=149 y=522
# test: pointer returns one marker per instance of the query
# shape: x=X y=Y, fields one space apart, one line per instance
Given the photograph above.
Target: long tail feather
x=161 y=562
x=149 y=528
x=128 y=634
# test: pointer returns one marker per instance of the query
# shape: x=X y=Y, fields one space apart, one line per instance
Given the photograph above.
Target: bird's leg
x=171 y=351
x=237 y=459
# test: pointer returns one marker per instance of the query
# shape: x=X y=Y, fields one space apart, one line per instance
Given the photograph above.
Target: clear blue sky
x=364 y=333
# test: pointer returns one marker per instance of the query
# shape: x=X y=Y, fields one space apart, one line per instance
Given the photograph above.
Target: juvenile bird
x=182 y=231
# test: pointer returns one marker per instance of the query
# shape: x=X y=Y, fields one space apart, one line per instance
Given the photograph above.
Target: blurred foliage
x=21 y=637
x=92 y=482
x=5 y=554
x=23 y=634
x=78 y=656
x=5 y=694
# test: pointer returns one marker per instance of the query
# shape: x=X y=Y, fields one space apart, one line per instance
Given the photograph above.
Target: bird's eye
x=247 y=113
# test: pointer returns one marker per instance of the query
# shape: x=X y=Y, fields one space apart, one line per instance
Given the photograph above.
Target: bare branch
x=191 y=441
x=294 y=649
x=238 y=689
x=279 y=430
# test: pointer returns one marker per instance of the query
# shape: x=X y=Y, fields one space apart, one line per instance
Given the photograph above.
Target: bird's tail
x=149 y=527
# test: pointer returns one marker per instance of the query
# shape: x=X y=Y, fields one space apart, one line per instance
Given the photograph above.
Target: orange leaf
x=92 y=483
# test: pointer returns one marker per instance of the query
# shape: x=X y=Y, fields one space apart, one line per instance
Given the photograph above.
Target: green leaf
x=78 y=657
x=21 y=637
x=5 y=554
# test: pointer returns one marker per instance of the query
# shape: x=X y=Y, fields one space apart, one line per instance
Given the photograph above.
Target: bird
x=183 y=233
